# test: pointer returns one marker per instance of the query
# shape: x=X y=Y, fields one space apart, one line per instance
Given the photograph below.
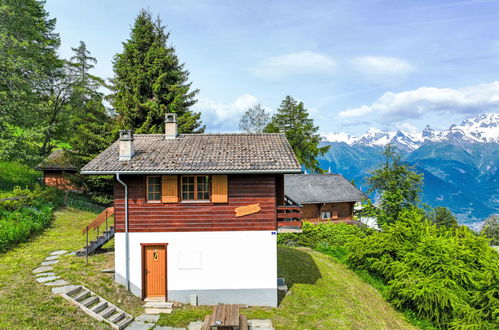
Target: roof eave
x=285 y=171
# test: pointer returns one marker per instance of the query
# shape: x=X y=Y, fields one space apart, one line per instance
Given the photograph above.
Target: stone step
x=74 y=291
x=154 y=311
x=100 y=307
x=117 y=317
x=158 y=304
x=82 y=295
x=90 y=301
x=108 y=312
x=124 y=322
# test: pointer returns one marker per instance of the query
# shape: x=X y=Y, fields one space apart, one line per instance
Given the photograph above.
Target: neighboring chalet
x=197 y=214
x=323 y=196
x=55 y=169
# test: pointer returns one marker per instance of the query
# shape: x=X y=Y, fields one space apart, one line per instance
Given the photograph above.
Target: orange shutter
x=219 y=189
x=169 y=189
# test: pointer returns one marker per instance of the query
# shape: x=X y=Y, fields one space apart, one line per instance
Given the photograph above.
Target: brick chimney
x=171 y=129
x=126 y=145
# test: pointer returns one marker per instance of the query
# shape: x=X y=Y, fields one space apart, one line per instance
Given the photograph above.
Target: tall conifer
x=292 y=119
x=149 y=81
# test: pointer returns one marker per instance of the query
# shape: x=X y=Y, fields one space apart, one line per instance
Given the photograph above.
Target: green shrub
x=13 y=174
x=446 y=275
x=329 y=233
x=20 y=219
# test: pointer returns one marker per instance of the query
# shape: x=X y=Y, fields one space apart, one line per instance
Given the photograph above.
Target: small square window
x=154 y=188
x=325 y=215
x=196 y=187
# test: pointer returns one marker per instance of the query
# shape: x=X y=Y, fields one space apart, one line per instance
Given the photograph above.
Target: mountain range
x=460 y=164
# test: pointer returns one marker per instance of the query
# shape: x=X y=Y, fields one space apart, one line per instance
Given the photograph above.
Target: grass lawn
x=324 y=294
x=25 y=304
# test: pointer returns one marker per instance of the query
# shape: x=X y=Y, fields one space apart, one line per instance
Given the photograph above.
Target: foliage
x=397 y=184
x=25 y=303
x=254 y=120
x=149 y=81
x=491 y=229
x=329 y=234
x=446 y=275
x=442 y=216
x=20 y=219
x=14 y=174
x=27 y=60
x=293 y=120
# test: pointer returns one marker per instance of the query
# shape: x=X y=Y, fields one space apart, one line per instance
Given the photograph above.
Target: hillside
x=460 y=165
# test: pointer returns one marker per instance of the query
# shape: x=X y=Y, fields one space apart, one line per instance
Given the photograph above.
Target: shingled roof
x=321 y=188
x=58 y=160
x=200 y=153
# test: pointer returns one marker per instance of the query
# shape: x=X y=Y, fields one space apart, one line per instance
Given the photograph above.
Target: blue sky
x=354 y=64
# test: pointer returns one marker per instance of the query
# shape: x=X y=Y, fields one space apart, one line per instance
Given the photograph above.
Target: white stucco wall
x=218 y=264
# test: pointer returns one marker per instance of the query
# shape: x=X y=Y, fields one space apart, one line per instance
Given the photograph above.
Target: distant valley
x=460 y=165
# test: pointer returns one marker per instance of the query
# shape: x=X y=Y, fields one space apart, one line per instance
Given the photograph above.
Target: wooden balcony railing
x=289 y=216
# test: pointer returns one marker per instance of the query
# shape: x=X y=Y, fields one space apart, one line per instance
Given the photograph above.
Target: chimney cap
x=170 y=118
x=126 y=135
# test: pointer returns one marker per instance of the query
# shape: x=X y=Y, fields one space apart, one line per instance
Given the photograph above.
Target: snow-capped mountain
x=479 y=129
x=460 y=165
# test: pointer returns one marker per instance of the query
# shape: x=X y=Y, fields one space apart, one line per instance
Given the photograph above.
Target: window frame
x=147 y=189
x=196 y=191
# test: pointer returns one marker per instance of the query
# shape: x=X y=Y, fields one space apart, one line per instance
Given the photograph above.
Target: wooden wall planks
x=200 y=216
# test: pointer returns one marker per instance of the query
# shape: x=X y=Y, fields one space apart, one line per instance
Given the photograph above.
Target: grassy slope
x=324 y=295
x=25 y=304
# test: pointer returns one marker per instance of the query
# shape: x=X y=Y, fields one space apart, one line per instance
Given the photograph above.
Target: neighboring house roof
x=321 y=188
x=58 y=160
x=200 y=153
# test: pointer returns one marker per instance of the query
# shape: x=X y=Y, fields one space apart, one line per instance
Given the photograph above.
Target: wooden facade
x=58 y=180
x=171 y=213
x=338 y=211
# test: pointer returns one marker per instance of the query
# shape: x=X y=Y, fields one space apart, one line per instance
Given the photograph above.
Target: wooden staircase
x=98 y=307
x=101 y=239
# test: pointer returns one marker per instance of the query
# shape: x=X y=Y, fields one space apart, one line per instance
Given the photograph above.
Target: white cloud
x=425 y=100
x=406 y=127
x=224 y=117
x=382 y=69
x=305 y=62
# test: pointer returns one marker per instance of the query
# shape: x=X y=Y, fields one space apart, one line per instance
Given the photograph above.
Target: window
x=154 y=188
x=196 y=187
x=325 y=215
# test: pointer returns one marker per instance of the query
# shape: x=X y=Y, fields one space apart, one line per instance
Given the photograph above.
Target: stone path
x=45 y=275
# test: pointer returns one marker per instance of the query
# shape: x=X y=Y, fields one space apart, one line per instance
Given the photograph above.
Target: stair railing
x=95 y=224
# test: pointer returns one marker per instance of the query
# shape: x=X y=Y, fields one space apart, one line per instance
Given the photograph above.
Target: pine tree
x=149 y=81
x=28 y=56
x=292 y=119
x=90 y=125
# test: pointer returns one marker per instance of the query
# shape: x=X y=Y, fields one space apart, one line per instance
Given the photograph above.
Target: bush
x=13 y=174
x=22 y=218
x=446 y=275
x=323 y=234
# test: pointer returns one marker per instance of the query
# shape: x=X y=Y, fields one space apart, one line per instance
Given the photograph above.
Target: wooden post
x=86 y=254
x=106 y=220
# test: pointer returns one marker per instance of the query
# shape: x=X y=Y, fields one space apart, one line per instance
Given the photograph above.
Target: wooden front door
x=154 y=256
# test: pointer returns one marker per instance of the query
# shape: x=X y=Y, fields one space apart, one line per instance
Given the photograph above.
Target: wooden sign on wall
x=248 y=209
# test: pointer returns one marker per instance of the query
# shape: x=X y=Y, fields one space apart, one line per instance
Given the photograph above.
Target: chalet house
x=324 y=196
x=196 y=215
x=55 y=169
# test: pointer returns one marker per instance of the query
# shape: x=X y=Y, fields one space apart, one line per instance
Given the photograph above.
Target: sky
x=354 y=64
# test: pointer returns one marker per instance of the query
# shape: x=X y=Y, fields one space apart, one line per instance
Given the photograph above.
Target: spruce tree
x=149 y=81
x=292 y=119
